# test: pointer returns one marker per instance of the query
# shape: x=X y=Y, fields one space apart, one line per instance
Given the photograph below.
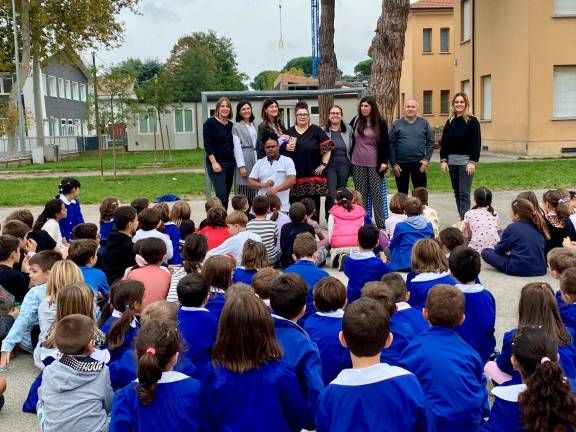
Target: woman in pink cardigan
x=343 y=223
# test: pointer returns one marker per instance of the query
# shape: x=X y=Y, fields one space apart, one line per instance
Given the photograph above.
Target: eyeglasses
x=335 y=113
x=302 y=115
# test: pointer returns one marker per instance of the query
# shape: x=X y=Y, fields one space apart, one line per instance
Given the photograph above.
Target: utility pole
x=97 y=115
x=18 y=87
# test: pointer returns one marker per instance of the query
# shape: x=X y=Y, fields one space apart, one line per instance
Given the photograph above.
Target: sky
x=253 y=26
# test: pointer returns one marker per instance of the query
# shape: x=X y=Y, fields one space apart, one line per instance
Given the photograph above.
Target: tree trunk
x=386 y=51
x=328 y=63
x=161 y=137
x=38 y=96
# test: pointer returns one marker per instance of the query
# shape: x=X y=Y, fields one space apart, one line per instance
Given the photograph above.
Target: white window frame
x=44 y=85
x=68 y=90
x=63 y=127
x=75 y=91
x=2 y=78
x=52 y=86
x=186 y=128
x=466 y=21
x=564 y=92
x=54 y=126
x=563 y=8
x=150 y=122
x=486 y=82
x=61 y=88
x=83 y=92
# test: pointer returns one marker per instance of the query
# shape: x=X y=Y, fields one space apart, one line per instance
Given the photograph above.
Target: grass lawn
x=544 y=174
x=124 y=160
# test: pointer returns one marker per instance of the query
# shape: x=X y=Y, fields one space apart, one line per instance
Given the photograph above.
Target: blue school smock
x=403 y=334
x=172 y=231
x=242 y=275
x=376 y=398
x=105 y=230
x=406 y=314
x=567 y=312
x=176 y=407
x=124 y=370
x=406 y=233
x=452 y=376
x=302 y=354
x=422 y=283
x=73 y=217
x=478 y=327
x=505 y=414
x=129 y=337
x=216 y=302
x=311 y=275
x=198 y=327
x=360 y=268
x=264 y=399
x=323 y=329
x=96 y=280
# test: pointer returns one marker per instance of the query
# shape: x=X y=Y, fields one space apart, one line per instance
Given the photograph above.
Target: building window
x=565 y=91
x=44 y=85
x=75 y=91
x=427 y=108
x=183 y=121
x=444 y=40
x=427 y=40
x=63 y=128
x=52 y=86
x=53 y=127
x=486 y=97
x=83 y=92
x=465 y=20
x=444 y=101
x=465 y=86
x=5 y=85
x=564 y=7
x=315 y=110
x=61 y=92
x=68 y=90
x=147 y=121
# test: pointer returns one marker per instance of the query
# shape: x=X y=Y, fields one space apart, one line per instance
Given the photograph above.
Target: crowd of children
x=143 y=323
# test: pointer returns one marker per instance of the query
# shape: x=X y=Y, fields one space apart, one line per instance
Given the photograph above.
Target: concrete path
x=506 y=290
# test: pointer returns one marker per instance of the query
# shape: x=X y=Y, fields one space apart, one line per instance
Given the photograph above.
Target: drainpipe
x=473 y=41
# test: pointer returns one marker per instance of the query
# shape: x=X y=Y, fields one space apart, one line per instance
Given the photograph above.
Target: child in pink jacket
x=343 y=223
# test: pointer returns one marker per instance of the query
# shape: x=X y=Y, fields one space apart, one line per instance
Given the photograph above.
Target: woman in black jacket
x=370 y=157
x=460 y=150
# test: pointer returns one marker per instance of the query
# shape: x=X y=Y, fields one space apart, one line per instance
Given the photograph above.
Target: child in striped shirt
x=266 y=229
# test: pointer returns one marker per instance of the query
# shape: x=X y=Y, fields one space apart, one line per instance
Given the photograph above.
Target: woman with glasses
x=309 y=147
x=338 y=168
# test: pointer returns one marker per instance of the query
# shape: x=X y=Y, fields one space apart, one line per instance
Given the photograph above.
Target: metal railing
x=55 y=147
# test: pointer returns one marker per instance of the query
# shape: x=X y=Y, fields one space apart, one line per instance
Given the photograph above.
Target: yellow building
x=427 y=68
x=517 y=61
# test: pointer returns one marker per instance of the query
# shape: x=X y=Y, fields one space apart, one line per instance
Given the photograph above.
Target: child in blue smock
x=288 y=302
x=324 y=325
x=560 y=260
x=544 y=400
x=119 y=318
x=83 y=253
x=254 y=258
x=480 y=306
x=196 y=324
x=250 y=387
x=162 y=400
x=372 y=396
x=363 y=265
x=217 y=271
x=449 y=370
x=69 y=190
x=107 y=208
x=429 y=268
x=405 y=314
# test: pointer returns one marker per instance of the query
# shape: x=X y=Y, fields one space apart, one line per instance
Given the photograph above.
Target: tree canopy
x=264 y=80
x=363 y=68
x=141 y=70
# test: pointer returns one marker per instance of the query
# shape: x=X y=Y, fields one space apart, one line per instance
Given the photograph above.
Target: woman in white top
x=54 y=211
x=244 y=134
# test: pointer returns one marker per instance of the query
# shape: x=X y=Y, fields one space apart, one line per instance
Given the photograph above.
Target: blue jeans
x=337 y=178
x=461 y=185
x=222 y=183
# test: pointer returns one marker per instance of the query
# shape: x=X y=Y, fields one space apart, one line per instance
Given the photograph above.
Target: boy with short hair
x=480 y=306
x=429 y=213
x=75 y=393
x=240 y=202
x=363 y=265
x=297 y=225
x=372 y=396
x=43 y=240
x=261 y=283
x=568 y=296
x=28 y=246
x=233 y=246
x=118 y=254
x=265 y=228
x=85 y=231
x=83 y=253
x=403 y=333
x=149 y=220
x=305 y=249
x=449 y=370
x=140 y=204
x=326 y=323
x=196 y=324
x=12 y=280
x=408 y=232
x=559 y=260
x=450 y=238
x=405 y=314
x=288 y=301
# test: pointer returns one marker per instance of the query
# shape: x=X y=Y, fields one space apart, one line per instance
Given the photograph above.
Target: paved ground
x=506 y=290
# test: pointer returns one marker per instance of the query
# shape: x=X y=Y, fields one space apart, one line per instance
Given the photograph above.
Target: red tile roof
x=432 y=4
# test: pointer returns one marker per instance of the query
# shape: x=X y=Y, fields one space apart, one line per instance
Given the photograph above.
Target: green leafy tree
x=141 y=70
x=304 y=63
x=363 y=68
x=195 y=71
x=264 y=80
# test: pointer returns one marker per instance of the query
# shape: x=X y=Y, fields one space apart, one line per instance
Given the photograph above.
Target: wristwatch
x=324 y=164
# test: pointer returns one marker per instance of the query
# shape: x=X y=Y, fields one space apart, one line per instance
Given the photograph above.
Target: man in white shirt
x=273 y=174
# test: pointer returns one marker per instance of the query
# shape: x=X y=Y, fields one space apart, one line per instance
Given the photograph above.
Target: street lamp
x=18 y=87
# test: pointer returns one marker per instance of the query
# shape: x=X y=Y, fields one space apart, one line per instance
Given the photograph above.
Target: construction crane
x=315 y=37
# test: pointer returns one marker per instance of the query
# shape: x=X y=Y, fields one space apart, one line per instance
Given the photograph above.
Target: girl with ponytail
x=54 y=211
x=277 y=216
x=557 y=211
x=162 y=400
x=119 y=316
x=520 y=251
x=69 y=190
x=481 y=222
x=544 y=400
x=343 y=223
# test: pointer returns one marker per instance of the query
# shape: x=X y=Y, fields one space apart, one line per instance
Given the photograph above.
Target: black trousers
x=222 y=183
x=410 y=170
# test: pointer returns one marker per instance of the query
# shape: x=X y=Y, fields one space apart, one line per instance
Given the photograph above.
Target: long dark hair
x=277 y=122
x=559 y=200
x=194 y=252
x=375 y=116
x=275 y=207
x=483 y=198
x=67 y=185
x=51 y=209
x=526 y=212
x=344 y=198
x=342 y=124
x=239 y=106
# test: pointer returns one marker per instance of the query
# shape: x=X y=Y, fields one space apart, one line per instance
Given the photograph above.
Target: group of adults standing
x=324 y=157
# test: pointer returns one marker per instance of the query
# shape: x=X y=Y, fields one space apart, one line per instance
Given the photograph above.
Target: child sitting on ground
x=8 y=313
x=210 y=203
x=180 y=214
x=364 y=266
x=118 y=255
x=567 y=293
x=139 y=204
x=83 y=254
x=42 y=238
x=277 y=215
x=450 y=238
x=193 y=253
x=11 y=280
x=254 y=258
x=408 y=232
x=215 y=228
x=75 y=393
x=240 y=203
x=233 y=246
x=149 y=220
x=261 y=283
x=49 y=219
x=557 y=210
x=343 y=224
x=107 y=208
x=310 y=214
x=481 y=222
x=397 y=214
x=429 y=213
x=297 y=214
x=405 y=314
x=217 y=271
x=28 y=247
x=85 y=230
x=371 y=390
x=325 y=324
x=441 y=360
x=288 y=301
x=520 y=252
x=69 y=190
x=265 y=228
x=170 y=229
x=480 y=306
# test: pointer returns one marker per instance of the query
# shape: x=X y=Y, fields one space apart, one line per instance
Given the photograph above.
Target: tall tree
x=328 y=63
x=141 y=70
x=264 y=80
x=196 y=70
x=363 y=68
x=304 y=63
x=386 y=51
